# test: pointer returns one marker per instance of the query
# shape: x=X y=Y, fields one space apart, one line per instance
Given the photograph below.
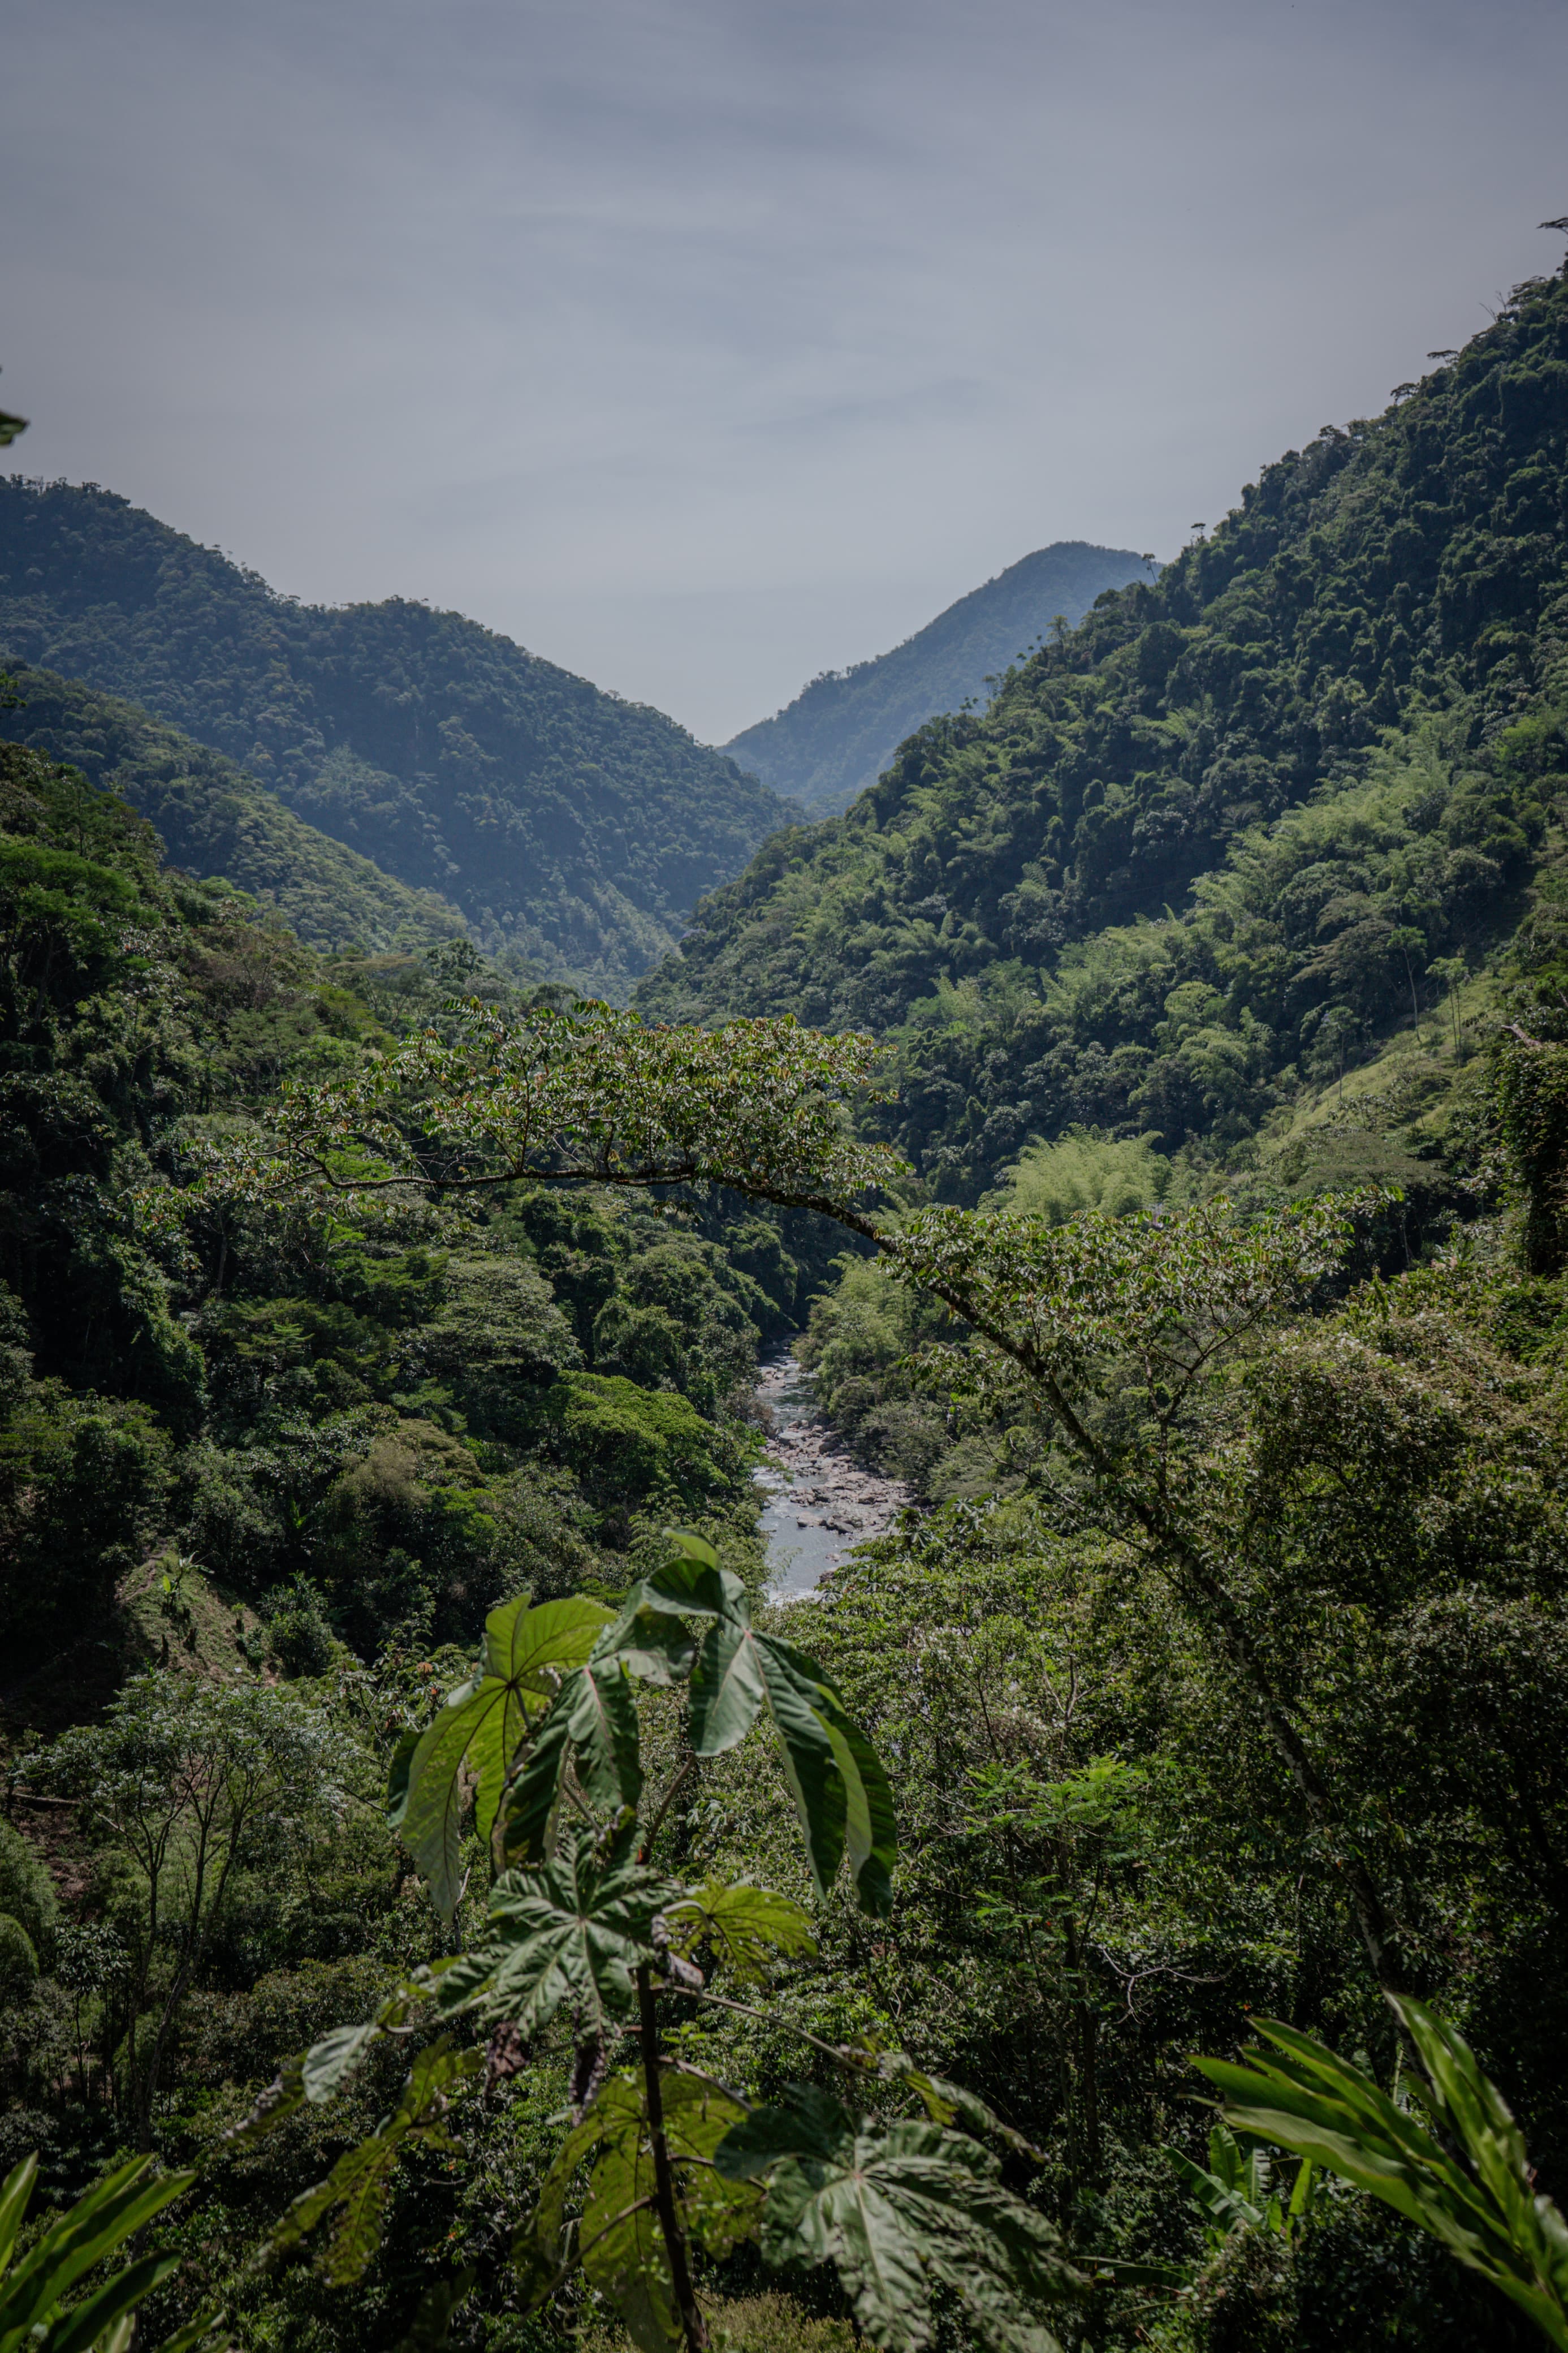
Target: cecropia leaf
x=746 y=1929
x=572 y=1931
x=840 y=1791
x=474 y=1739
x=619 y=2241
x=898 y=2208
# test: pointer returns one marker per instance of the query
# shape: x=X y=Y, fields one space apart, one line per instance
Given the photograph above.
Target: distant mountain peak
x=843 y=728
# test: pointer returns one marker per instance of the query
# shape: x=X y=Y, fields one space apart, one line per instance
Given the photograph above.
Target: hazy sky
x=703 y=345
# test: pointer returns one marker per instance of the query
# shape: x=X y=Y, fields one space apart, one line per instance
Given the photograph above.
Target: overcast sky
x=704 y=344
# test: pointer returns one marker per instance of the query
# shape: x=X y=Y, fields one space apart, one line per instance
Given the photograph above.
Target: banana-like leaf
x=574 y=1930
x=1484 y=2208
x=897 y=2208
x=101 y=2219
x=473 y=1741
x=619 y=2241
x=746 y=1928
x=108 y=2307
x=359 y=2182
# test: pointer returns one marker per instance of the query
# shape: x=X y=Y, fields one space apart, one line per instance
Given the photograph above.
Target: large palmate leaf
x=359 y=2184
x=574 y=1930
x=619 y=2241
x=746 y=1929
x=898 y=2208
x=472 y=1742
x=840 y=1790
x=102 y=2219
x=594 y=1722
x=1482 y=2205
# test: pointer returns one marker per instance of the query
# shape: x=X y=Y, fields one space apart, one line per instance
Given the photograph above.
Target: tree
x=190 y=1780
x=1115 y=1330
x=586 y=1924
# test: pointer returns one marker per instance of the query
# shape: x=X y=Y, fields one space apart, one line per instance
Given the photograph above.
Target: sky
x=702 y=346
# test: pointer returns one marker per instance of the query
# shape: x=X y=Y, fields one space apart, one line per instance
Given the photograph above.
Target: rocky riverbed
x=820 y=1502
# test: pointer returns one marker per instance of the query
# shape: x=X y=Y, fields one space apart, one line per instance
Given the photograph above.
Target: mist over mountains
x=841 y=730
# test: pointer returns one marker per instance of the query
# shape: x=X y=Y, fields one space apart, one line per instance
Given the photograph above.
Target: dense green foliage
x=1220 y=1676
x=563 y=823
x=215 y=820
x=1207 y=850
x=841 y=730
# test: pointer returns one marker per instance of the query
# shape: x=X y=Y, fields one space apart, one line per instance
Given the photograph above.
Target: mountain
x=841 y=730
x=1217 y=842
x=561 y=821
x=215 y=820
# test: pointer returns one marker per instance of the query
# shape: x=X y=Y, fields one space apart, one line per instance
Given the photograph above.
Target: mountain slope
x=1346 y=708
x=561 y=821
x=841 y=730
x=213 y=819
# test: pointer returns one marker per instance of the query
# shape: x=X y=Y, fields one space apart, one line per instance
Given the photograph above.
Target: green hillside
x=215 y=820
x=841 y=732
x=563 y=823
x=1235 y=829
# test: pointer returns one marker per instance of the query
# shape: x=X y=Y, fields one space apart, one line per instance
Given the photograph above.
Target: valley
x=949 y=1418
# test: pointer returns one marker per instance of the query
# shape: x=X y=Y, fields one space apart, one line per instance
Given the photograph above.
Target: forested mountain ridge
x=213 y=819
x=1344 y=709
x=841 y=732
x=563 y=822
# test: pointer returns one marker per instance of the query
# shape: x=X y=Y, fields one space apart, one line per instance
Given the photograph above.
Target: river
x=821 y=1504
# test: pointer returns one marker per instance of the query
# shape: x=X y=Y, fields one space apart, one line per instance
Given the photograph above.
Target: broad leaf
x=841 y=1793
x=746 y=1928
x=898 y=2208
x=477 y=1734
x=592 y=1722
x=1484 y=2210
x=573 y=1931
x=359 y=2184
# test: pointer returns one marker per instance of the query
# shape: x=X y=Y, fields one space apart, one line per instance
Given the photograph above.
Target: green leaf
x=594 y=1722
x=14 y=2193
x=746 y=1927
x=948 y=2104
x=1481 y=2206
x=898 y=2208
x=82 y=2328
x=840 y=1790
x=397 y=1778
x=359 y=2184
x=101 y=2219
x=477 y=1734
x=619 y=2241
x=573 y=1931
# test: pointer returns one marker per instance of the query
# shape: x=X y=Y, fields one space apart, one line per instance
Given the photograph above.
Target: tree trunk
x=663 y=2174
